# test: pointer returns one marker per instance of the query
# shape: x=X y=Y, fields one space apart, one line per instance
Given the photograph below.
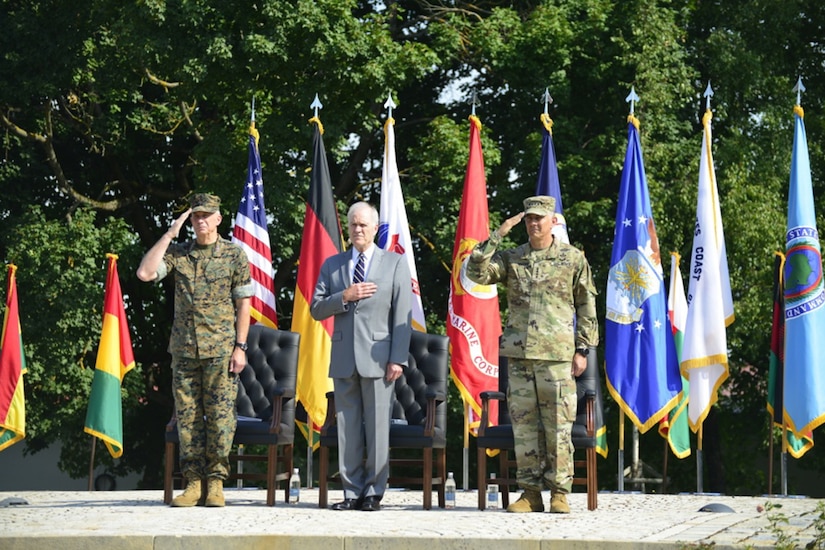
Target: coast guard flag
x=674 y=427
x=640 y=356
x=12 y=369
x=251 y=234
x=796 y=446
x=474 y=322
x=548 y=180
x=321 y=238
x=393 y=228
x=710 y=303
x=114 y=359
x=804 y=392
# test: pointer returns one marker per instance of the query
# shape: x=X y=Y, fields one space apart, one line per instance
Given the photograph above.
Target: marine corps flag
x=640 y=355
x=114 y=359
x=12 y=369
x=474 y=323
x=804 y=391
x=321 y=239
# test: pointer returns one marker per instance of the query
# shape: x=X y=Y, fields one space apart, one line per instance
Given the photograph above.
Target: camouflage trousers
x=205 y=395
x=542 y=401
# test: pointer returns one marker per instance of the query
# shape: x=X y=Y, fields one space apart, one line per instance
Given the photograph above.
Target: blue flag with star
x=640 y=355
x=804 y=386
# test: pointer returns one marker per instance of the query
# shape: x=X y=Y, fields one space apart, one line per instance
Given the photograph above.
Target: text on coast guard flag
x=114 y=359
x=250 y=233
x=12 y=369
x=796 y=446
x=321 y=238
x=710 y=303
x=674 y=427
x=393 y=228
x=548 y=179
x=640 y=356
x=804 y=391
x=474 y=321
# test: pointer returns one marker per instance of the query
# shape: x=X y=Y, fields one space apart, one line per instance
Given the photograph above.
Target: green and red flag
x=115 y=357
x=12 y=369
x=796 y=446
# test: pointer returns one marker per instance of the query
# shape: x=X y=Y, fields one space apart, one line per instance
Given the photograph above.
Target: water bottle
x=492 y=493
x=294 y=487
x=449 y=491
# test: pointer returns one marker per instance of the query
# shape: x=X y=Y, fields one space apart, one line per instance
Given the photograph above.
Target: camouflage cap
x=540 y=206
x=203 y=202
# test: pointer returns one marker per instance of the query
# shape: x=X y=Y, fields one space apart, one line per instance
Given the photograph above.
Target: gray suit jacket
x=374 y=331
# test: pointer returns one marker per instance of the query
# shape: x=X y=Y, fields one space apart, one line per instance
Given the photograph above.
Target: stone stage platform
x=140 y=520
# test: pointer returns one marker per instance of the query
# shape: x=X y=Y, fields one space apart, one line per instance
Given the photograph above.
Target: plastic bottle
x=492 y=493
x=449 y=491
x=294 y=487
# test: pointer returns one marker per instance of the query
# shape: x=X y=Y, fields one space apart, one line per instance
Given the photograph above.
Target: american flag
x=250 y=233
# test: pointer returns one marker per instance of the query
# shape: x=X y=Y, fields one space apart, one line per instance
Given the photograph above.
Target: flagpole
x=465 y=471
x=664 y=469
x=621 y=450
x=92 y=463
x=784 y=461
x=699 y=439
x=770 y=454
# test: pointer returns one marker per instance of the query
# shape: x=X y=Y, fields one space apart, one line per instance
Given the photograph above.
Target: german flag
x=321 y=239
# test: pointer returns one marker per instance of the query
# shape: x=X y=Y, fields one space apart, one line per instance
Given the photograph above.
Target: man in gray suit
x=369 y=293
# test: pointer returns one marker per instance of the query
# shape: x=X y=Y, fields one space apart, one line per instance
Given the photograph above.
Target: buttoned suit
x=367 y=335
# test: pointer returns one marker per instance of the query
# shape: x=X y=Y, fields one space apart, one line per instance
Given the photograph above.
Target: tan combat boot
x=558 y=504
x=530 y=501
x=191 y=495
x=214 y=493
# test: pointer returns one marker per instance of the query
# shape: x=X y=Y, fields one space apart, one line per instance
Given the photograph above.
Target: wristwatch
x=584 y=352
x=243 y=345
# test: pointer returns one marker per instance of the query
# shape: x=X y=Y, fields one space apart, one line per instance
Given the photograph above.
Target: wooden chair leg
x=168 y=469
x=481 y=478
x=442 y=474
x=504 y=475
x=323 y=473
x=271 y=470
x=428 y=478
x=592 y=489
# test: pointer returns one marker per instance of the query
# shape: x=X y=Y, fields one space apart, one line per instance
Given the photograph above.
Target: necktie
x=358 y=274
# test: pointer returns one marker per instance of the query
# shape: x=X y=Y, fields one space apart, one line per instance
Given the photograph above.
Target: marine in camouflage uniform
x=208 y=341
x=552 y=318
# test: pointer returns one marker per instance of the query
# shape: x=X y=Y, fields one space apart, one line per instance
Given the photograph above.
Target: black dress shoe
x=371 y=504
x=348 y=504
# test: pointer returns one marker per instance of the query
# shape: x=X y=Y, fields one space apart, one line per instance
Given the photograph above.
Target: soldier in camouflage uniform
x=207 y=344
x=552 y=318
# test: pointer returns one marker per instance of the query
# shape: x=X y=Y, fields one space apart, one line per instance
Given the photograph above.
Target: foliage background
x=113 y=112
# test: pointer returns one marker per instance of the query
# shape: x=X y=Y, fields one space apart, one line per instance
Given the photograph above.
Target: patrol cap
x=541 y=205
x=203 y=202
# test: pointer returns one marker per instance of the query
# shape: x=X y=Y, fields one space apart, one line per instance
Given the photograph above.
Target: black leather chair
x=266 y=411
x=419 y=421
x=500 y=437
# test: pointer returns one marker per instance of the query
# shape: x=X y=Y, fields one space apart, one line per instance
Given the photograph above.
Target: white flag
x=393 y=228
x=704 y=360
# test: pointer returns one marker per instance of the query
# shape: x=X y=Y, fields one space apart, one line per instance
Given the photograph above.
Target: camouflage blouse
x=208 y=280
x=550 y=295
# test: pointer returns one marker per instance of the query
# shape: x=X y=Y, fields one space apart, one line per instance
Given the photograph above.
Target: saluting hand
x=509 y=224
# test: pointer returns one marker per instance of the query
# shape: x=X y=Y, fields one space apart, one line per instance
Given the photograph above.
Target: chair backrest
x=272 y=363
x=427 y=371
x=589 y=380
